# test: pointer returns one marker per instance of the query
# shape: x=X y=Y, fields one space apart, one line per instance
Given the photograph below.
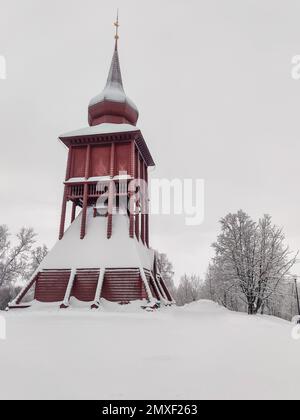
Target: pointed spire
x=114 y=76
x=113 y=105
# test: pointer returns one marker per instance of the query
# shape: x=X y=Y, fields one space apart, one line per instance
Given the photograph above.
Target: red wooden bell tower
x=104 y=253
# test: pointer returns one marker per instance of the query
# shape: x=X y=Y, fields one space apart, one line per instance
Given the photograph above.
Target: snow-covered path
x=201 y=351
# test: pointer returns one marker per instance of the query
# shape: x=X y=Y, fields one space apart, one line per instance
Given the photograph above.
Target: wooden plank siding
x=51 y=285
x=119 y=285
x=85 y=285
x=123 y=285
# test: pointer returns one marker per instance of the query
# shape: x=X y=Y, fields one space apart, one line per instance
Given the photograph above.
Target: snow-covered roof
x=95 y=250
x=113 y=93
x=105 y=128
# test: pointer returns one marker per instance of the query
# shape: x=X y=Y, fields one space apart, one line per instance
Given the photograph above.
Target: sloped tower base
x=120 y=269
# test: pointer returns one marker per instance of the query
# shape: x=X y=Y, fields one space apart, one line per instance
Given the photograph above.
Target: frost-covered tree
x=37 y=256
x=189 y=289
x=283 y=302
x=18 y=260
x=219 y=287
x=251 y=262
x=166 y=269
x=15 y=258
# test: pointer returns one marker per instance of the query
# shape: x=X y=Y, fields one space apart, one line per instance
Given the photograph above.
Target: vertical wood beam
x=73 y=215
x=65 y=196
x=63 y=213
x=111 y=190
x=132 y=159
x=69 y=163
x=85 y=193
x=143 y=203
x=87 y=162
x=147 y=208
x=112 y=160
x=131 y=192
x=84 y=212
x=137 y=214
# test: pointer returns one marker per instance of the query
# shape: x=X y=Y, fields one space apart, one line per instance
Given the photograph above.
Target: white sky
x=212 y=81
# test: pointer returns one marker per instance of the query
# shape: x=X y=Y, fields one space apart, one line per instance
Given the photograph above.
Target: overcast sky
x=212 y=81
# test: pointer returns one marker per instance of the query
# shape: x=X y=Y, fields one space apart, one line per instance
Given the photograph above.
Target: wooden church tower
x=104 y=253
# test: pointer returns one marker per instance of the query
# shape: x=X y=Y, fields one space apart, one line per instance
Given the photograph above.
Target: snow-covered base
x=200 y=351
x=77 y=305
x=95 y=250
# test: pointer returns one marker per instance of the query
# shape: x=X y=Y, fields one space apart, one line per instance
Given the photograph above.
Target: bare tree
x=166 y=270
x=251 y=260
x=14 y=258
x=37 y=256
x=18 y=260
x=219 y=287
x=189 y=289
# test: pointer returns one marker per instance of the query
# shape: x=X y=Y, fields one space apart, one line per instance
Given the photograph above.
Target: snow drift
x=200 y=351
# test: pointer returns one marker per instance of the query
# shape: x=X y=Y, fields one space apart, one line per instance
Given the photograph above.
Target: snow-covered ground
x=201 y=351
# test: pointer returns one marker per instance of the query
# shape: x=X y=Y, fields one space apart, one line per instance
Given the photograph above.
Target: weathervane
x=116 y=23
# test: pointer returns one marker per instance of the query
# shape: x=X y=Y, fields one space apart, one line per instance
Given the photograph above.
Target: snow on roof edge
x=104 y=128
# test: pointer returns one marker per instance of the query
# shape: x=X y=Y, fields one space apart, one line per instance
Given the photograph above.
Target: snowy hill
x=201 y=351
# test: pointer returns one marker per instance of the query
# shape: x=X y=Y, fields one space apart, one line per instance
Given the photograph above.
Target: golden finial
x=116 y=23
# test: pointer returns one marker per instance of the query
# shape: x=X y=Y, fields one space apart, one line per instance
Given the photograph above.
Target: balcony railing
x=76 y=191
